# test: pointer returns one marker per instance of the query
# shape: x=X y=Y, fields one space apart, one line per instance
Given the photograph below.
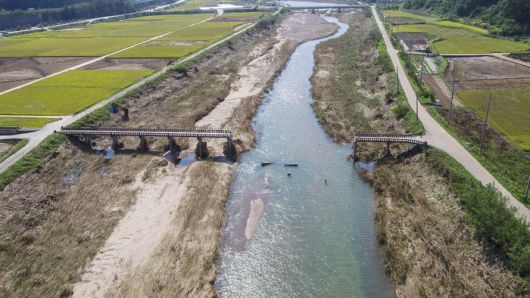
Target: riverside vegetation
x=434 y=221
x=40 y=224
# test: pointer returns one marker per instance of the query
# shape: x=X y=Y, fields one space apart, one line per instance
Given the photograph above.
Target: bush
x=496 y=224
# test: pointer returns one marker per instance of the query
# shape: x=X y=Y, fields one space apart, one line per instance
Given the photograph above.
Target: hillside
x=502 y=17
x=20 y=14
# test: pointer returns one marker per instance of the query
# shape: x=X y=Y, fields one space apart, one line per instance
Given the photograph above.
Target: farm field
x=462 y=41
x=408 y=15
x=197 y=4
x=183 y=42
x=69 y=92
x=453 y=37
x=25 y=122
x=510 y=113
x=96 y=39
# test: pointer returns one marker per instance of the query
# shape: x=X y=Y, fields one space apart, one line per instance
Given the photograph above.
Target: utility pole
x=527 y=187
x=421 y=78
x=397 y=79
x=452 y=95
x=484 y=124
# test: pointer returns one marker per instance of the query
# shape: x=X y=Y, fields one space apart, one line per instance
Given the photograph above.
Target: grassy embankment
x=509 y=166
x=456 y=38
x=14 y=146
x=25 y=122
x=433 y=246
x=506 y=163
x=49 y=231
x=345 y=108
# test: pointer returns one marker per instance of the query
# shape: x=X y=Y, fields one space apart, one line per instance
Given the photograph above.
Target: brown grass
x=428 y=240
x=50 y=230
x=184 y=263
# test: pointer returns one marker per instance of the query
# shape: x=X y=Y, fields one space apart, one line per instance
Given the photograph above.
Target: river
x=314 y=230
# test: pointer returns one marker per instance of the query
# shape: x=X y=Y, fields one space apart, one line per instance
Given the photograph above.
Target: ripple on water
x=312 y=238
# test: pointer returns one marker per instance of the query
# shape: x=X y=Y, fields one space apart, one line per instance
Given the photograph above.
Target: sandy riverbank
x=183 y=260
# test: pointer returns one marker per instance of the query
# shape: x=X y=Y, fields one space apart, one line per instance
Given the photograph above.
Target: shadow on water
x=307 y=234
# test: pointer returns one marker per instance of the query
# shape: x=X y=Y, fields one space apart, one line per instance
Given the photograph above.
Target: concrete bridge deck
x=331 y=6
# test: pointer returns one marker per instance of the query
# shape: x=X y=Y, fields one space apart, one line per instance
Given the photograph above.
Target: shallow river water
x=314 y=234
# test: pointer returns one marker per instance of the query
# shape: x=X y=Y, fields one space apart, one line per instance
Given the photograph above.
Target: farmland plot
x=182 y=43
x=94 y=40
x=69 y=92
x=25 y=122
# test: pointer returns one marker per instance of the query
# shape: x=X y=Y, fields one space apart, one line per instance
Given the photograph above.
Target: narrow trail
x=438 y=137
x=136 y=236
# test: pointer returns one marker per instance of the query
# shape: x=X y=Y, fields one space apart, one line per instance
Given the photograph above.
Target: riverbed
x=304 y=231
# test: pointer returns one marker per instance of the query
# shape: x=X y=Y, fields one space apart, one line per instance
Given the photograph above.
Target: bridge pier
x=388 y=153
x=229 y=149
x=88 y=142
x=115 y=143
x=143 y=144
x=201 y=151
x=354 y=149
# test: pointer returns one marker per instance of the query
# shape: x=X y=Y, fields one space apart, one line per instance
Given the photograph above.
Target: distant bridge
x=331 y=6
x=201 y=151
x=388 y=139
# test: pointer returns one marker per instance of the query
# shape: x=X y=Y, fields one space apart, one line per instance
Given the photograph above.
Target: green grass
x=31 y=160
x=94 y=40
x=182 y=43
x=510 y=113
x=18 y=144
x=507 y=164
x=25 y=122
x=68 y=93
x=495 y=223
x=462 y=41
x=460 y=25
x=194 y=5
x=408 y=15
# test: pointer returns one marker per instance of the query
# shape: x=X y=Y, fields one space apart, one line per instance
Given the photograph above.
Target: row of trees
x=45 y=12
x=505 y=17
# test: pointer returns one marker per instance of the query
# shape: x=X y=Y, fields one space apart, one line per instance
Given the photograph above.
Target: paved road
x=439 y=138
x=35 y=138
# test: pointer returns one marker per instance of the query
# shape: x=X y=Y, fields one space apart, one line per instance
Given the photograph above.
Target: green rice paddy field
x=509 y=114
x=25 y=122
x=182 y=43
x=69 y=92
x=457 y=38
x=94 y=40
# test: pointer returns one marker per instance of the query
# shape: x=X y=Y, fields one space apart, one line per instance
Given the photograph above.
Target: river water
x=315 y=234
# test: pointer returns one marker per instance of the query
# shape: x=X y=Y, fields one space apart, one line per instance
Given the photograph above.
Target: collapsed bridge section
x=201 y=150
x=388 y=139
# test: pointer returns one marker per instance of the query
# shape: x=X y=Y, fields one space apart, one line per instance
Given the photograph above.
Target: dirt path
x=137 y=234
x=438 y=137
